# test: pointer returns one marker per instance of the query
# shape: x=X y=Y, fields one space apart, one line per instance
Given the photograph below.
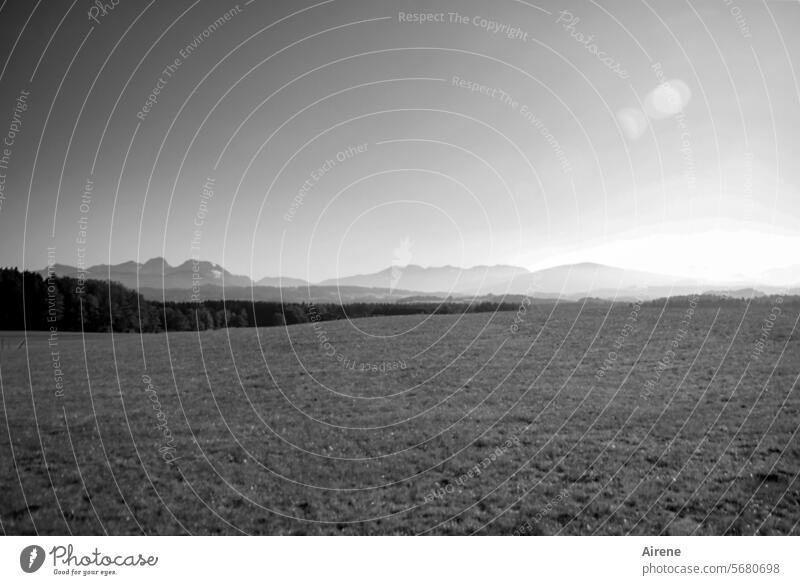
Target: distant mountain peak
x=157 y=262
x=591 y=265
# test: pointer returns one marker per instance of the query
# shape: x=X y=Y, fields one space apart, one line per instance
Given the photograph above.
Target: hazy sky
x=313 y=139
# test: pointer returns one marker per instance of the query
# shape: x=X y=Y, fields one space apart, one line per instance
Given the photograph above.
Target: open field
x=460 y=424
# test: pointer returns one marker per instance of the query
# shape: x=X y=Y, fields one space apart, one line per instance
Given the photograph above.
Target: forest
x=36 y=303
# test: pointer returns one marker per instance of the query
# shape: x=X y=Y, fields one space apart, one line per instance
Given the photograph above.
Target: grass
x=272 y=436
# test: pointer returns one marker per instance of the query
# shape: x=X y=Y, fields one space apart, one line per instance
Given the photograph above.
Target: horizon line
x=742 y=281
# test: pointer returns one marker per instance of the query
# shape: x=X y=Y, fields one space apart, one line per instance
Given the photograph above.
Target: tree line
x=31 y=301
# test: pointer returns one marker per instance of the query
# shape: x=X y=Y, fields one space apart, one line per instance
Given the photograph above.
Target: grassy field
x=403 y=425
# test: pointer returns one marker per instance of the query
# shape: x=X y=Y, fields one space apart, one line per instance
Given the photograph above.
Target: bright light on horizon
x=710 y=256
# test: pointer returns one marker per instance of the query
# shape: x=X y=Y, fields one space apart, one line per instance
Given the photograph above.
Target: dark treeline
x=716 y=300
x=32 y=302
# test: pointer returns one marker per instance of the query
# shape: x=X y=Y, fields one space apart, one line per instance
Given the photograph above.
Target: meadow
x=559 y=419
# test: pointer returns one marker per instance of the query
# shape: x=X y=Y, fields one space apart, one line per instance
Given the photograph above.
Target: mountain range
x=157 y=279
x=157 y=273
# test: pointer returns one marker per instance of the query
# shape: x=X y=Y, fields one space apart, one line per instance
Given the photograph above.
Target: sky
x=316 y=139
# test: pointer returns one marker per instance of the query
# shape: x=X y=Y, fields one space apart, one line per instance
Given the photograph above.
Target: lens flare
x=633 y=122
x=667 y=99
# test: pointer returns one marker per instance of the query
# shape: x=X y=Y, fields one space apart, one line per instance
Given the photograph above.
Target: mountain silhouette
x=157 y=277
